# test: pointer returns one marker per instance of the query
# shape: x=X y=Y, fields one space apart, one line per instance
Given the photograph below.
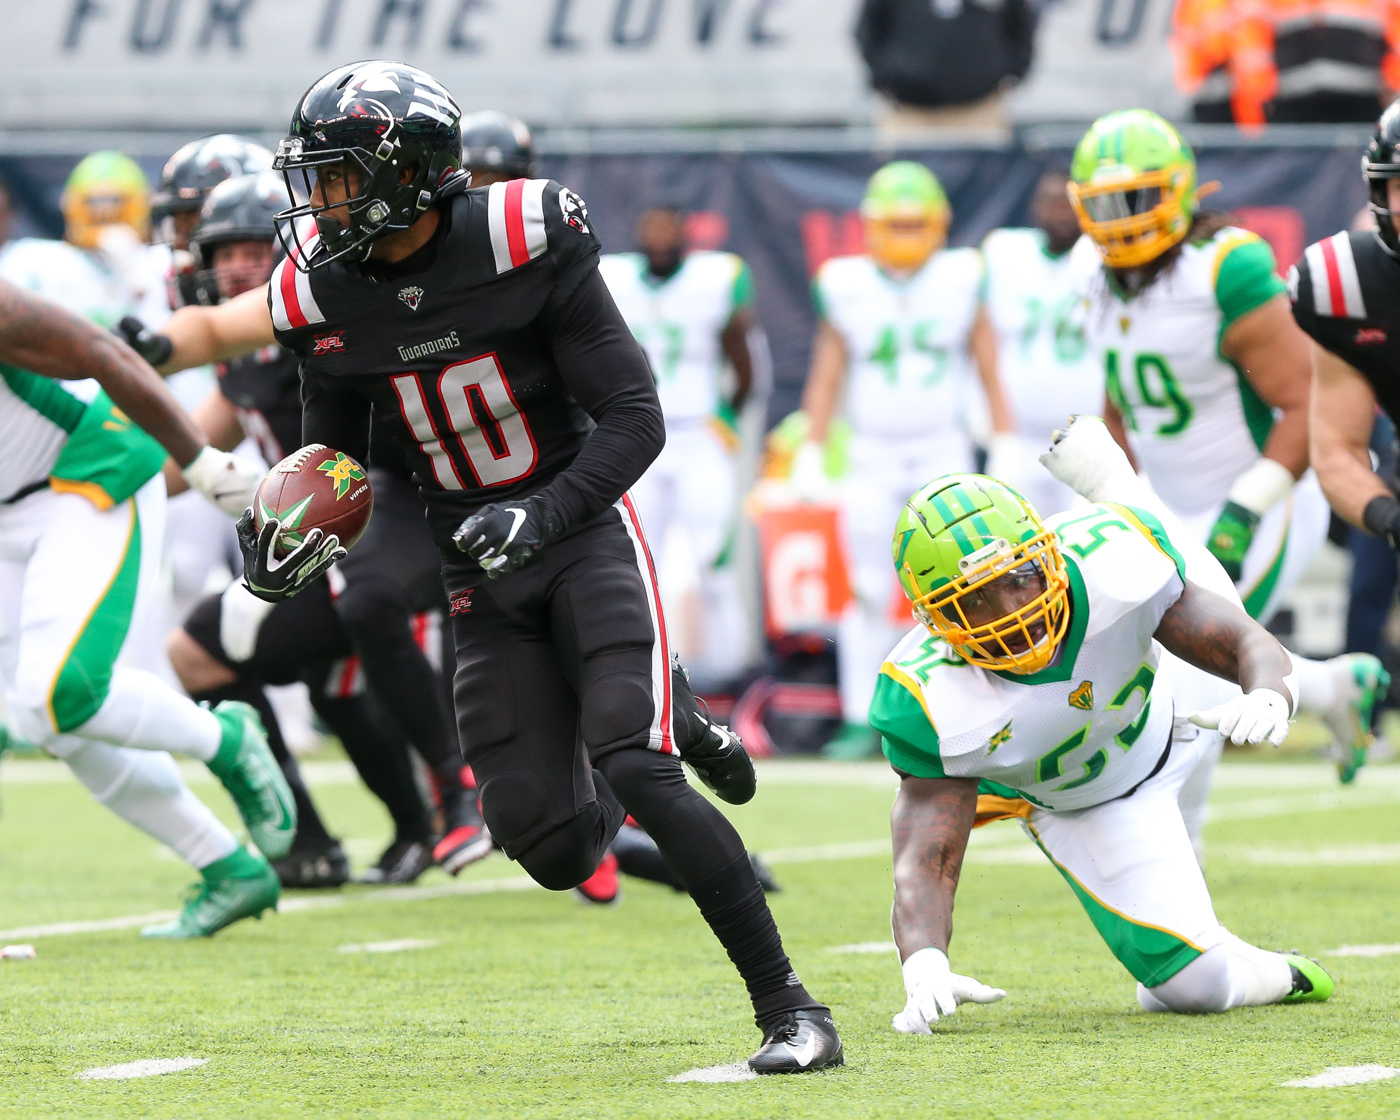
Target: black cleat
x=465 y=838
x=323 y=865
x=764 y=874
x=712 y=750
x=403 y=861
x=799 y=1042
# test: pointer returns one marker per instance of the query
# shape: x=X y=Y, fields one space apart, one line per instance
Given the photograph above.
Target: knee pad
x=618 y=709
x=566 y=856
x=1201 y=988
x=520 y=807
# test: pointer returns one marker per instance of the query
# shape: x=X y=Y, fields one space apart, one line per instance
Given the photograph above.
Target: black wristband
x=1382 y=517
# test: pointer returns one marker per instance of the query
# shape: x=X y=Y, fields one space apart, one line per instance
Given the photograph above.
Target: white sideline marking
x=1355 y=854
x=1334 y=1077
x=735 y=1071
x=399 y=946
x=147 y=1067
x=857 y=850
x=864 y=947
x=1364 y=951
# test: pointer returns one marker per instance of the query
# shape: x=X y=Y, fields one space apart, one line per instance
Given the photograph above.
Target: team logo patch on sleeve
x=1083 y=697
x=343 y=471
x=1000 y=737
x=574 y=211
x=412 y=295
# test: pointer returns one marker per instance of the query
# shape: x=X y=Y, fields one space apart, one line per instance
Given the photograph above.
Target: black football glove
x=155 y=348
x=274 y=580
x=505 y=537
x=1382 y=517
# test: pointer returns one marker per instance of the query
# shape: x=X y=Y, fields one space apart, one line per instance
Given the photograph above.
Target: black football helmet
x=391 y=133
x=1379 y=165
x=200 y=166
x=493 y=142
x=242 y=209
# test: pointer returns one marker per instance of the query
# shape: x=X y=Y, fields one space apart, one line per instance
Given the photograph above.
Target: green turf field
x=526 y=1004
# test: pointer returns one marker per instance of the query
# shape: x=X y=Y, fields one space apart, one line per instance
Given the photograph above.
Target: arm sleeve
x=334 y=416
x=606 y=372
x=1246 y=276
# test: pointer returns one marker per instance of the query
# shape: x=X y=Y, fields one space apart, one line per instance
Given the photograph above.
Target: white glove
x=226 y=480
x=1009 y=458
x=1250 y=718
x=1086 y=458
x=240 y=619
x=808 y=474
x=933 y=988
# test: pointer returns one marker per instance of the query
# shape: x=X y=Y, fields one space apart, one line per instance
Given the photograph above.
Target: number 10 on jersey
x=476 y=434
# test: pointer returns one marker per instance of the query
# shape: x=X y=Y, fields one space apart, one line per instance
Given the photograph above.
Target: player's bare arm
x=931 y=821
x=1274 y=353
x=734 y=340
x=200 y=335
x=983 y=344
x=825 y=381
x=1210 y=632
x=1342 y=414
x=1113 y=421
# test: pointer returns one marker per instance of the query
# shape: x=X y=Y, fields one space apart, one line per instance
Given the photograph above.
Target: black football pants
x=564 y=708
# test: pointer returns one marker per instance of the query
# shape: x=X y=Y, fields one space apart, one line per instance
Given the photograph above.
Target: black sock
x=311 y=831
x=708 y=857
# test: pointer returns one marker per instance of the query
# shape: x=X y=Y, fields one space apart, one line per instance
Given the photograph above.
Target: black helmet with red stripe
x=371 y=146
x=1379 y=165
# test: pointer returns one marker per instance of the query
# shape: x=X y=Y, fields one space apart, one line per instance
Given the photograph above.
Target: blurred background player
x=232 y=644
x=692 y=311
x=496 y=148
x=1207 y=380
x=902 y=344
x=1035 y=303
x=82 y=505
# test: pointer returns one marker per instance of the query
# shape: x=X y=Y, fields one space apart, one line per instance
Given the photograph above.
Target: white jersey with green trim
x=679 y=321
x=1194 y=421
x=1083 y=731
x=909 y=369
x=36 y=416
x=79 y=279
x=1036 y=305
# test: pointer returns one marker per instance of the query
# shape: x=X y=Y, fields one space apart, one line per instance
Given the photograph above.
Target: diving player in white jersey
x=693 y=314
x=81 y=511
x=1035 y=302
x=1052 y=680
x=1207 y=381
x=901 y=343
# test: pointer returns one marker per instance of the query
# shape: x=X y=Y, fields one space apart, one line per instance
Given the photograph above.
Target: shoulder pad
x=529 y=217
x=290 y=297
x=1336 y=287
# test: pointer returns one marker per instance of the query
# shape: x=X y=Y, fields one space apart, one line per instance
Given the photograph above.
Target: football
x=315 y=488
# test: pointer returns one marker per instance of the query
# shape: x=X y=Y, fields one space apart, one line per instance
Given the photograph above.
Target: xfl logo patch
x=460 y=602
x=326 y=343
x=412 y=296
x=574 y=211
x=343 y=470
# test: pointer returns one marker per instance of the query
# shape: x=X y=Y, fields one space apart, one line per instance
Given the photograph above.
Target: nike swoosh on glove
x=229 y=481
x=273 y=580
x=1248 y=719
x=932 y=988
x=504 y=537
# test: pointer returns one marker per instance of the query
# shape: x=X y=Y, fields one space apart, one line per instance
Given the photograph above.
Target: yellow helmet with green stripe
x=962 y=533
x=1133 y=185
x=106 y=188
x=905 y=214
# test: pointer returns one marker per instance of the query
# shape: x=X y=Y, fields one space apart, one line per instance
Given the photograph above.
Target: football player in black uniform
x=473 y=326
x=1346 y=295
x=233 y=644
x=496 y=148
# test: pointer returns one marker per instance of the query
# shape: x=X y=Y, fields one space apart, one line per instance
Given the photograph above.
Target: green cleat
x=1362 y=685
x=1311 y=983
x=239 y=886
x=253 y=779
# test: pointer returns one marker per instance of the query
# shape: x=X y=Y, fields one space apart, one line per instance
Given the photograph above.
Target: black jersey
x=265 y=389
x=1346 y=295
x=473 y=361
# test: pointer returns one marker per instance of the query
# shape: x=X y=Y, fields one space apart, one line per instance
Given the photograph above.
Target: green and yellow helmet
x=106 y=188
x=905 y=214
x=958 y=534
x=1133 y=185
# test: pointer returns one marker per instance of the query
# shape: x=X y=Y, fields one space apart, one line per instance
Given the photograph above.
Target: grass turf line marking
x=734 y=1071
x=1335 y=1077
x=1354 y=854
x=399 y=946
x=147 y=1067
x=864 y=947
x=1364 y=951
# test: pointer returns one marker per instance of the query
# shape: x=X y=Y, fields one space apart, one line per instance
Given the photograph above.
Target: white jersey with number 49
x=679 y=321
x=1194 y=421
x=1080 y=732
x=906 y=340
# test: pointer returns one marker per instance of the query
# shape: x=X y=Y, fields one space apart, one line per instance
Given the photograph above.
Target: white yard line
x=147 y=1067
x=1334 y=1077
x=1364 y=951
x=402 y=945
x=735 y=1071
x=864 y=947
x=1355 y=854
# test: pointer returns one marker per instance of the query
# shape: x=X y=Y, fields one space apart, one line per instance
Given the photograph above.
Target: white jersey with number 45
x=906 y=340
x=1194 y=421
x=1086 y=729
x=679 y=320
